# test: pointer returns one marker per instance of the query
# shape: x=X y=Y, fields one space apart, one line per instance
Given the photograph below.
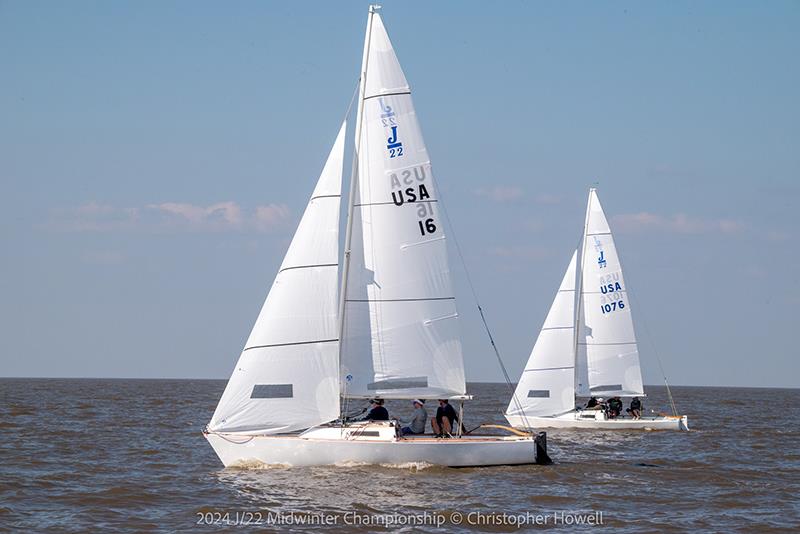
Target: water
x=86 y=455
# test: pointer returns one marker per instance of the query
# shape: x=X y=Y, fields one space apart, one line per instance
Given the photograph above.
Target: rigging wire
x=655 y=351
x=344 y=403
x=350 y=105
x=514 y=398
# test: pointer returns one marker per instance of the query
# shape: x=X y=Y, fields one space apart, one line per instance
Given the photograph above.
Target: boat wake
x=411 y=466
x=351 y=463
x=257 y=465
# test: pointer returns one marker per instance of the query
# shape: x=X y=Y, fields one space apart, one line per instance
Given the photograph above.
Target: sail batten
x=309 y=266
x=293 y=343
x=378 y=95
x=401 y=300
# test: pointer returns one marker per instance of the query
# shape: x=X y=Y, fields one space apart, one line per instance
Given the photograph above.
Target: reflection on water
x=128 y=454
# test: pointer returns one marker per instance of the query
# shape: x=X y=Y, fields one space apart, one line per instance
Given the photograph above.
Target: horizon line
x=468 y=381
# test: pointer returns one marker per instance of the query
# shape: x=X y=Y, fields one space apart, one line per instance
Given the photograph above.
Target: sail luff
x=352 y=195
x=581 y=368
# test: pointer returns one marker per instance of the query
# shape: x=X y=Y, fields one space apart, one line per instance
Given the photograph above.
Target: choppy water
x=91 y=455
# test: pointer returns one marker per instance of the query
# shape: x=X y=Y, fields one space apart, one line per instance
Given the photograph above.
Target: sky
x=155 y=158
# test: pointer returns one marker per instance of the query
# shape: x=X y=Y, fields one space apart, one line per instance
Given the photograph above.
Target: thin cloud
x=269 y=216
x=778 y=236
x=512 y=193
x=93 y=209
x=93 y=217
x=678 y=223
x=500 y=193
x=219 y=217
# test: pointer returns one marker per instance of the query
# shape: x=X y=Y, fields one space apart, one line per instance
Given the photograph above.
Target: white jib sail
x=607 y=334
x=546 y=386
x=287 y=375
x=401 y=337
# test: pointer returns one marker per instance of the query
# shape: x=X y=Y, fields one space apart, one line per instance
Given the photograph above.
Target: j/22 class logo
x=394 y=146
x=601 y=260
x=389 y=121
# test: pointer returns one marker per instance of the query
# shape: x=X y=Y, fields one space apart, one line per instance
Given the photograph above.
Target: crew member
x=445 y=418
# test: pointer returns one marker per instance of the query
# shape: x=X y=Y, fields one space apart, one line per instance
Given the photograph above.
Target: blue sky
x=156 y=156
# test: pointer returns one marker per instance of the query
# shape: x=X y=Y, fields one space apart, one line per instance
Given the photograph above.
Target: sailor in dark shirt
x=636 y=408
x=614 y=407
x=378 y=412
x=445 y=418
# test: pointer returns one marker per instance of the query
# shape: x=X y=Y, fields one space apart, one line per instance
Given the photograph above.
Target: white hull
x=596 y=419
x=369 y=443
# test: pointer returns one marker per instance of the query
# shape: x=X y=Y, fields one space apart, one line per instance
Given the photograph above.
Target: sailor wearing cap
x=415 y=425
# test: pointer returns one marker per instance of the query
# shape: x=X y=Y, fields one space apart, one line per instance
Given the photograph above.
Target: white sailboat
x=393 y=333
x=587 y=346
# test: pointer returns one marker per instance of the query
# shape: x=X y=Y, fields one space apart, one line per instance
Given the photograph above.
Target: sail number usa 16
x=407 y=186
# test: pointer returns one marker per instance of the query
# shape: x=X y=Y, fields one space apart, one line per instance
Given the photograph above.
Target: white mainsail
x=606 y=334
x=287 y=375
x=546 y=386
x=400 y=333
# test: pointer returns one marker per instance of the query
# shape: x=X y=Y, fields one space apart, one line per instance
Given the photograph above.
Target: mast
x=353 y=185
x=579 y=284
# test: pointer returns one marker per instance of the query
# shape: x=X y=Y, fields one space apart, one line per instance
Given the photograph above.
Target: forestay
x=287 y=376
x=401 y=337
x=606 y=337
x=546 y=387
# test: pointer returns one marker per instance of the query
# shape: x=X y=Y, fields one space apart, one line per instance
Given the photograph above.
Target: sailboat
x=587 y=346
x=392 y=333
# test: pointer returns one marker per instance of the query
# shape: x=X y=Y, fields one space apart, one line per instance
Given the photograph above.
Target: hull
x=370 y=443
x=597 y=420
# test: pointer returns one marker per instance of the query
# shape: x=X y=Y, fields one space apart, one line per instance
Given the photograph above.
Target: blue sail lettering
x=392 y=141
x=386 y=110
x=610 y=288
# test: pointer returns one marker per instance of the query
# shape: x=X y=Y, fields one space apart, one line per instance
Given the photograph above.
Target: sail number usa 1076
x=611 y=294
